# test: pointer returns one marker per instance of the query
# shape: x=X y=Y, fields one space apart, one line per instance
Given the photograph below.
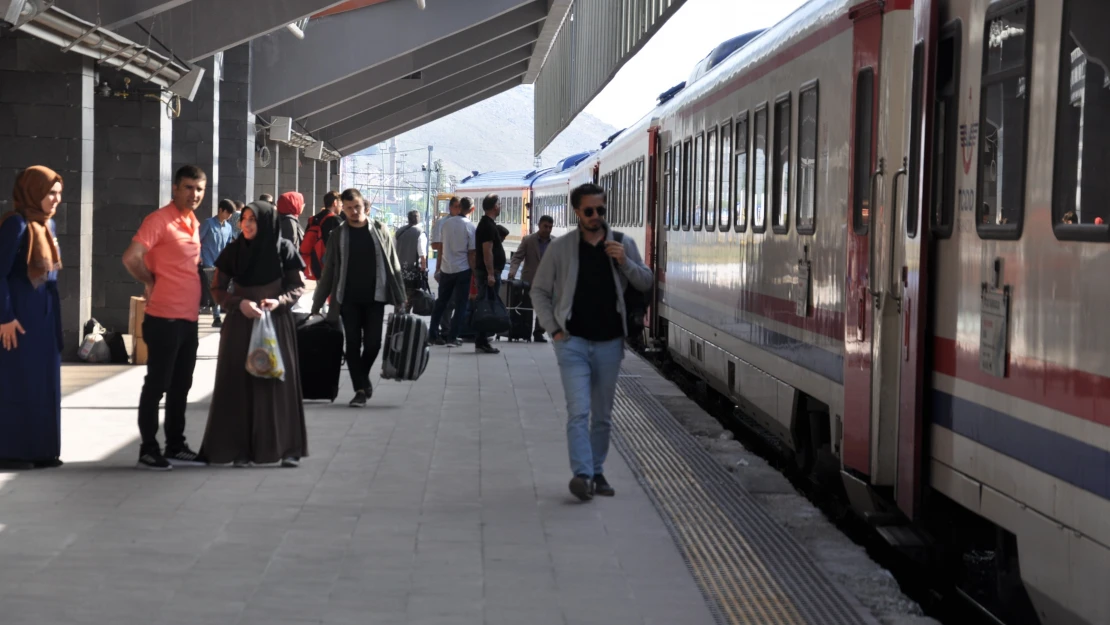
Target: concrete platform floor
x=443 y=501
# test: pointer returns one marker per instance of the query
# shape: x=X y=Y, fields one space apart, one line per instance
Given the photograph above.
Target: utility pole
x=428 y=200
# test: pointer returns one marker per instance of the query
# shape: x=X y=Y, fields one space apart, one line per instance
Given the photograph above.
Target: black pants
x=171 y=356
x=362 y=324
x=452 y=287
x=486 y=291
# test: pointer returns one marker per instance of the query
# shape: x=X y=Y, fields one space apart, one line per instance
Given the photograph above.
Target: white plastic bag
x=264 y=356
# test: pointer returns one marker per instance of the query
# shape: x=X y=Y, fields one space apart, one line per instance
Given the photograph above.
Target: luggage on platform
x=519 y=304
x=320 y=357
x=405 y=350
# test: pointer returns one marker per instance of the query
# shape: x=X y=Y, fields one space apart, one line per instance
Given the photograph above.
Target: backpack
x=635 y=302
x=291 y=230
x=312 y=247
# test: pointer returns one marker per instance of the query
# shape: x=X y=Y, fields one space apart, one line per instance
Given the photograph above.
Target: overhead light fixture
x=19 y=12
x=420 y=3
x=187 y=85
x=297 y=28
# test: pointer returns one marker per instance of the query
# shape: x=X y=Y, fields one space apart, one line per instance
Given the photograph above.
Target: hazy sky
x=671 y=54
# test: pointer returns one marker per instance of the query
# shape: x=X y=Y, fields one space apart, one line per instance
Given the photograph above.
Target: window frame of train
x=667 y=155
x=1000 y=78
x=711 y=191
x=917 y=112
x=784 y=121
x=687 y=150
x=741 y=181
x=863 y=149
x=759 y=226
x=946 y=133
x=697 y=179
x=676 y=187
x=1069 y=185
x=724 y=221
x=641 y=190
x=809 y=226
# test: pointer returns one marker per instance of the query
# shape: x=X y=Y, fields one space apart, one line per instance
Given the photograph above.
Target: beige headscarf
x=31 y=187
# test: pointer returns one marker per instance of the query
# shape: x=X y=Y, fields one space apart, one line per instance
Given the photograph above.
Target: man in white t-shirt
x=453 y=269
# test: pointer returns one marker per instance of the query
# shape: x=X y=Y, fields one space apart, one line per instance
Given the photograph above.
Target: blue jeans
x=454 y=286
x=589 y=370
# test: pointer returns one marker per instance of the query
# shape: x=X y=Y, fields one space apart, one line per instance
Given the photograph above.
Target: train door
x=879 y=168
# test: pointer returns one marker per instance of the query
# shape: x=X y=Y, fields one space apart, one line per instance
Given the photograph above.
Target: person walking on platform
x=289 y=207
x=215 y=234
x=411 y=246
x=488 y=270
x=266 y=197
x=454 y=269
x=362 y=275
x=164 y=256
x=578 y=294
x=316 y=237
x=530 y=252
x=254 y=420
x=437 y=247
x=30 y=325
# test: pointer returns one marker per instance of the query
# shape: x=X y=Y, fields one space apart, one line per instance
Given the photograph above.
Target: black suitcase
x=519 y=304
x=405 y=350
x=320 y=357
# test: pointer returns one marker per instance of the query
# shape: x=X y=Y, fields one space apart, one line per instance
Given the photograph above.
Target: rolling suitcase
x=515 y=295
x=405 y=349
x=319 y=357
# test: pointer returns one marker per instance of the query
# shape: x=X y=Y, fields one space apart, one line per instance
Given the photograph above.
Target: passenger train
x=875 y=228
x=512 y=188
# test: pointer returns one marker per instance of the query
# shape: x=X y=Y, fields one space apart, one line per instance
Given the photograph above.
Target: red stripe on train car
x=1078 y=393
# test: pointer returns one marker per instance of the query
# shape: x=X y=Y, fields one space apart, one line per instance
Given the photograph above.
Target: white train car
x=513 y=188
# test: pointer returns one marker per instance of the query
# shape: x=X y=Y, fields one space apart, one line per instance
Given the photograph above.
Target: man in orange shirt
x=164 y=256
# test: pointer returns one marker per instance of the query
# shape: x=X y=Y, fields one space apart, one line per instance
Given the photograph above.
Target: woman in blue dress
x=30 y=325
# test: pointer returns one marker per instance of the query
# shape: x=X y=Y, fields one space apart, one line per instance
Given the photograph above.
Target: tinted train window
x=725 y=176
x=697 y=192
x=865 y=107
x=807 y=159
x=916 y=129
x=759 y=191
x=667 y=201
x=780 y=189
x=740 y=202
x=711 y=198
x=1081 y=184
x=641 y=207
x=676 y=188
x=946 y=130
x=687 y=192
x=1004 y=102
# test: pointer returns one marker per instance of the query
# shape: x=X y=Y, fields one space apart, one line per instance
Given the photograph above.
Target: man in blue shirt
x=215 y=234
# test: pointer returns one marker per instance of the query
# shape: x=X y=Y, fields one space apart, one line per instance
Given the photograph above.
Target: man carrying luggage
x=531 y=252
x=316 y=237
x=490 y=263
x=362 y=274
x=411 y=246
x=578 y=295
x=453 y=273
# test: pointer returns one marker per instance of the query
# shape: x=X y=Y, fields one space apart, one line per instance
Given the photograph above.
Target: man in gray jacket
x=578 y=295
x=530 y=252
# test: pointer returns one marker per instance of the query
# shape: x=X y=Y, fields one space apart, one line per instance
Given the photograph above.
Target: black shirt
x=594 y=315
x=362 y=267
x=486 y=232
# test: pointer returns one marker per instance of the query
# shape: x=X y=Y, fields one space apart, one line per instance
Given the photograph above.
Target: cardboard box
x=138 y=351
x=135 y=321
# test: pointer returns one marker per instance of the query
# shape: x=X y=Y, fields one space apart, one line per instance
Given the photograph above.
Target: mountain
x=492 y=135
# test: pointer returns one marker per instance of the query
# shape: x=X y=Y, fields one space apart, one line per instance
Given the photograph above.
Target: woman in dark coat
x=256 y=420
x=30 y=325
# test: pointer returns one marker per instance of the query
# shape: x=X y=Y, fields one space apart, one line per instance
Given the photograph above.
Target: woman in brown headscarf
x=30 y=325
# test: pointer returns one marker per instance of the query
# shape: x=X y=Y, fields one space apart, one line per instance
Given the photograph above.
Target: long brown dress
x=254 y=419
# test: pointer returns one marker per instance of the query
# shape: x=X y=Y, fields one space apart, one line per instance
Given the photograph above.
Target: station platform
x=443 y=501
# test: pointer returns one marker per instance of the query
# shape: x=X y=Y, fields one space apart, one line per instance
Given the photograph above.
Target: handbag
x=489 y=315
x=635 y=302
x=423 y=303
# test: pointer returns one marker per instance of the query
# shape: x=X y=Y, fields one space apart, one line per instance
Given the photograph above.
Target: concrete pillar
x=307 y=186
x=336 y=174
x=237 y=127
x=196 y=134
x=266 y=173
x=289 y=169
x=323 y=182
x=46 y=118
x=134 y=174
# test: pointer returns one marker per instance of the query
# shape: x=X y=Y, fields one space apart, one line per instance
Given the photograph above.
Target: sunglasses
x=589 y=212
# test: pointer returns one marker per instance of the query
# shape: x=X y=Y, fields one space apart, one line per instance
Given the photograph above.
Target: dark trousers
x=486 y=291
x=362 y=324
x=452 y=286
x=171 y=356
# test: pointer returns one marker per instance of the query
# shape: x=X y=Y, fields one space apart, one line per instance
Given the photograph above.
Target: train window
x=740 y=189
x=668 y=206
x=641 y=187
x=1003 y=113
x=945 y=130
x=711 y=197
x=759 y=191
x=725 y=176
x=697 y=191
x=780 y=185
x=861 y=180
x=912 y=180
x=807 y=159
x=676 y=187
x=1080 y=184
x=687 y=194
